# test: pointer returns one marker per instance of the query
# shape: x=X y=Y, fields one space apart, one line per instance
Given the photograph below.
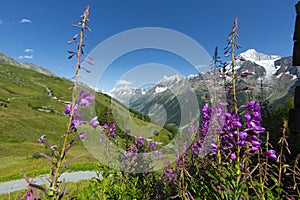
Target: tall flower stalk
x=231 y=48
x=231 y=45
x=282 y=142
x=214 y=103
x=83 y=26
x=58 y=161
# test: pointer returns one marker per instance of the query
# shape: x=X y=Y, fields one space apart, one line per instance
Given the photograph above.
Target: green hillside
x=31 y=104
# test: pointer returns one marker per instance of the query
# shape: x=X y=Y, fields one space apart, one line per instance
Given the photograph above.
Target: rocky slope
x=7 y=60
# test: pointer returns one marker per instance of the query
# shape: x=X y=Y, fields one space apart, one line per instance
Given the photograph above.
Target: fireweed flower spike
x=56 y=189
x=270 y=154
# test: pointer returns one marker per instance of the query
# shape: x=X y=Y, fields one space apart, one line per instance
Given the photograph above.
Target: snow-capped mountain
x=271 y=74
x=266 y=61
x=171 y=80
x=254 y=56
x=125 y=93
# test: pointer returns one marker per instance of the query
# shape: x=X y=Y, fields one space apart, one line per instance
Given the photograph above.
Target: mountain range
x=261 y=77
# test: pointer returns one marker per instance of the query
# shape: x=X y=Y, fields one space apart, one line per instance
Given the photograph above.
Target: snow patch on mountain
x=159 y=89
x=269 y=67
x=254 y=56
x=171 y=80
x=264 y=60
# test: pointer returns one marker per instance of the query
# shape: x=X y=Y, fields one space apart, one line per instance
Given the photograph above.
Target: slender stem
x=282 y=140
x=246 y=161
x=267 y=159
x=182 y=179
x=219 y=150
x=261 y=180
x=214 y=78
x=233 y=72
x=233 y=33
x=294 y=174
x=215 y=103
x=69 y=128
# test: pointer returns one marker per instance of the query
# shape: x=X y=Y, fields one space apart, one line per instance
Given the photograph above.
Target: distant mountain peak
x=8 y=60
x=253 y=56
x=169 y=80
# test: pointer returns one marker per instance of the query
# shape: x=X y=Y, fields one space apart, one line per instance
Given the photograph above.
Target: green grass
x=22 y=123
x=72 y=191
x=20 y=159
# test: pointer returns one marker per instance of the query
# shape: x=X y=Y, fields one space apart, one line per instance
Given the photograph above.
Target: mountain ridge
x=10 y=61
x=265 y=78
x=263 y=66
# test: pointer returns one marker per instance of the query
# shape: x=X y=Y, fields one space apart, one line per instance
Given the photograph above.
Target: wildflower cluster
x=235 y=131
x=138 y=154
x=108 y=131
x=83 y=100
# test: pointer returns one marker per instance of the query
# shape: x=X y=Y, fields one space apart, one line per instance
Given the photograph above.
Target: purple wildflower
x=237 y=124
x=232 y=121
x=68 y=109
x=105 y=126
x=109 y=131
x=241 y=143
x=243 y=135
x=256 y=143
x=233 y=156
x=112 y=128
x=94 y=122
x=139 y=141
x=169 y=175
x=214 y=147
x=195 y=148
x=85 y=99
x=81 y=135
x=270 y=154
x=256 y=116
x=252 y=106
x=76 y=121
x=247 y=116
x=29 y=196
x=205 y=119
x=42 y=138
x=151 y=146
x=160 y=154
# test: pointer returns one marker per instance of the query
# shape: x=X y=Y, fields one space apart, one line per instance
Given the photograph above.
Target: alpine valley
x=32 y=101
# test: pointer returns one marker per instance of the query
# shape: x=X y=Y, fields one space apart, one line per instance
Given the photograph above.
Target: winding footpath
x=20 y=184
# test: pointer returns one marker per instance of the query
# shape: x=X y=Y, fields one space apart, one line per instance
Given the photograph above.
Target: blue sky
x=37 y=31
